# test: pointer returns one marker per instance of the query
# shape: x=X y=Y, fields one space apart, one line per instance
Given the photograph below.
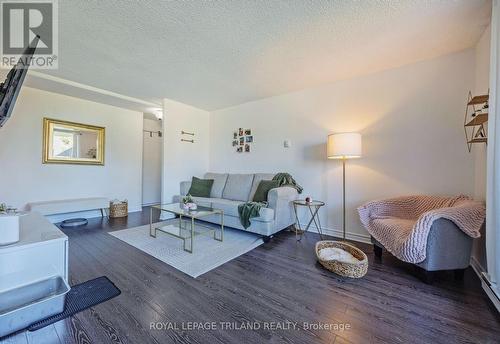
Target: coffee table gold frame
x=186 y=230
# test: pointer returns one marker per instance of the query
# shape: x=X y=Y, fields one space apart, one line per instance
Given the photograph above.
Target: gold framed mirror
x=72 y=143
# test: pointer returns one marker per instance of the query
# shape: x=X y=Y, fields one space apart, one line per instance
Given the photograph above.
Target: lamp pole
x=343 y=197
x=344 y=146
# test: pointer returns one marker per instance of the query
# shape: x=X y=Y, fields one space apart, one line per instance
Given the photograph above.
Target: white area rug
x=208 y=253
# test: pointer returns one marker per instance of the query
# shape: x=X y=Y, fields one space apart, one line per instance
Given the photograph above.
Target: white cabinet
x=41 y=252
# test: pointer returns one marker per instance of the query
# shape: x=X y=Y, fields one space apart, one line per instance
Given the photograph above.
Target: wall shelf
x=478 y=99
x=479 y=140
x=478 y=120
x=476 y=116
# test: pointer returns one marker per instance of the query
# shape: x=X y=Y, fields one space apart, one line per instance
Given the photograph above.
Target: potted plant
x=9 y=225
x=188 y=203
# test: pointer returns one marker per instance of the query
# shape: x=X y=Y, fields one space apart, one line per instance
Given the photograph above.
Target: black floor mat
x=81 y=297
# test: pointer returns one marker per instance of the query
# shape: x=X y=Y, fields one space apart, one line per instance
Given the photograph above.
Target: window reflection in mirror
x=68 y=142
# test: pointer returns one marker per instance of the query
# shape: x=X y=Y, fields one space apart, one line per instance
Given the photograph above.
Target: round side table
x=313 y=207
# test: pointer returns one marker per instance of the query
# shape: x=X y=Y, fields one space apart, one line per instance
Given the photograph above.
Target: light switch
x=287 y=143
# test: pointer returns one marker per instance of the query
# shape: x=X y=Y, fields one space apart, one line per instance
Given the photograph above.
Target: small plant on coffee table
x=187 y=199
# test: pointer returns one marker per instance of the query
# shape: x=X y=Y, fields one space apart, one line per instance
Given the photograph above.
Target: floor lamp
x=344 y=146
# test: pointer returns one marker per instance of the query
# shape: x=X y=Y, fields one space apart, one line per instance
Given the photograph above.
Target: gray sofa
x=230 y=190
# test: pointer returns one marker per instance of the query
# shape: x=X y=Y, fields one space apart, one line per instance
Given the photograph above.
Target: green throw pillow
x=263 y=189
x=200 y=187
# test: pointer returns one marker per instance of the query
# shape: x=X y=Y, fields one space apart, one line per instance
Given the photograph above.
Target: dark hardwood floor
x=276 y=284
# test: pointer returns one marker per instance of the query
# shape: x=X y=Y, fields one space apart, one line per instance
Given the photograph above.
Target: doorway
x=151 y=160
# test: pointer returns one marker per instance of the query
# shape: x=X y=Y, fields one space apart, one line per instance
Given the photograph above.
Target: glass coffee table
x=186 y=229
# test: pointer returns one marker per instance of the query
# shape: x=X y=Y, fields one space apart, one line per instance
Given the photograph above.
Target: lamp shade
x=344 y=146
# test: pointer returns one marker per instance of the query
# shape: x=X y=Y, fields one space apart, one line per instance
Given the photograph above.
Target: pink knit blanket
x=403 y=224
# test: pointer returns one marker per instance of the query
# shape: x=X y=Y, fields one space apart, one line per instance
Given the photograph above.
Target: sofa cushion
x=203 y=201
x=230 y=208
x=201 y=187
x=219 y=183
x=256 y=180
x=263 y=189
x=238 y=187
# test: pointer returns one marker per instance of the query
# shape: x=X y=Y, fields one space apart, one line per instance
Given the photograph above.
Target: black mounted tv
x=9 y=89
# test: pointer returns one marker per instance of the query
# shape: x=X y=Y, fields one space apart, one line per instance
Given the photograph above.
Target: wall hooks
x=186 y=133
x=151 y=133
x=184 y=140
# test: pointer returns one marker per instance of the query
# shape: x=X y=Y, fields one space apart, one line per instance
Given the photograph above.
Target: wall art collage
x=242 y=140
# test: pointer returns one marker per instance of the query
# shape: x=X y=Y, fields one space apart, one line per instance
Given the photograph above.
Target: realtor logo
x=22 y=21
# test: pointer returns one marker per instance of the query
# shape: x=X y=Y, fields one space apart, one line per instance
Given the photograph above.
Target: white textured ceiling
x=214 y=54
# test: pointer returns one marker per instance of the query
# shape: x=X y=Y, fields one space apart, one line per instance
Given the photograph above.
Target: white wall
x=182 y=160
x=411 y=119
x=151 y=163
x=24 y=178
x=492 y=288
x=481 y=85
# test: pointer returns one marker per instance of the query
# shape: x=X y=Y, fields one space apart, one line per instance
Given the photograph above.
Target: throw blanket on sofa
x=249 y=210
x=285 y=179
x=402 y=224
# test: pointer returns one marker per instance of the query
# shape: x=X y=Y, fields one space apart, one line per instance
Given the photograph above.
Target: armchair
x=434 y=233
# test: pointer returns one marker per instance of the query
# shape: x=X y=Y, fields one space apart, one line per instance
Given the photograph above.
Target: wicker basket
x=118 y=209
x=353 y=270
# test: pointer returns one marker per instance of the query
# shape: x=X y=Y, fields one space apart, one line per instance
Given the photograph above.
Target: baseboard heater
x=488 y=288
